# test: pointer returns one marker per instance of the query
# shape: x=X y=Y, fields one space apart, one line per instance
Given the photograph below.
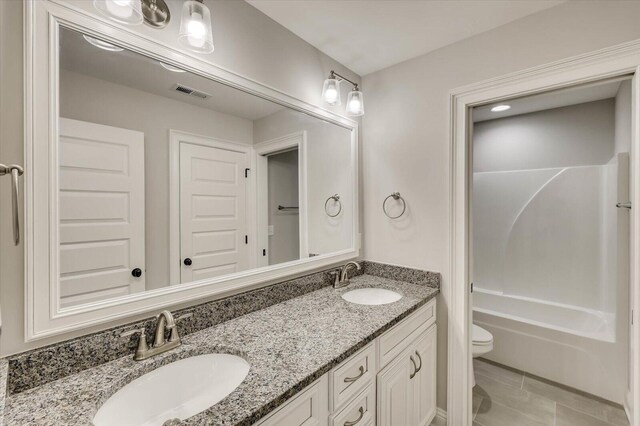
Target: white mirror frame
x=43 y=314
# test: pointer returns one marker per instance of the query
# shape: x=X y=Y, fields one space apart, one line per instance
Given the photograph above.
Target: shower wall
x=541 y=203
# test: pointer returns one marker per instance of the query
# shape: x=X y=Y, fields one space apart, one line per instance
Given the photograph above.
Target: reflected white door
x=101 y=212
x=213 y=222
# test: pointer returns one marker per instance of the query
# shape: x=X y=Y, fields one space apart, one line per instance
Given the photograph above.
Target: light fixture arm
x=334 y=74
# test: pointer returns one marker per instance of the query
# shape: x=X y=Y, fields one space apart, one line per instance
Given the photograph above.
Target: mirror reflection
x=166 y=177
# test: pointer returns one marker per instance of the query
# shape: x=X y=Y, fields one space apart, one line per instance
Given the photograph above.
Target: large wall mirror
x=164 y=179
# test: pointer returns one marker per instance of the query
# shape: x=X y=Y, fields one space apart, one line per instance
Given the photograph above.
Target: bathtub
x=574 y=346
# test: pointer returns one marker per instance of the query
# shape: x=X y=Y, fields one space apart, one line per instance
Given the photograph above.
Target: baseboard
x=441 y=414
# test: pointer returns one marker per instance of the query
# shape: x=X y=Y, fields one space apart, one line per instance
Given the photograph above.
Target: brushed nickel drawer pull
x=419 y=359
x=15 y=171
x=415 y=368
x=353 y=379
x=356 y=421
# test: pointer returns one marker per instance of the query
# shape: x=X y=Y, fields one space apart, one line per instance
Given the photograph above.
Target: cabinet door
x=424 y=381
x=394 y=393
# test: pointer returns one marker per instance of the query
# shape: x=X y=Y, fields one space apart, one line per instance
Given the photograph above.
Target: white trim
x=175 y=138
x=42 y=318
x=441 y=414
x=262 y=149
x=605 y=63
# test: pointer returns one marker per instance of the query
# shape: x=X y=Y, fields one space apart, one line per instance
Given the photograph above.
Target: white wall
x=406 y=128
x=576 y=135
x=284 y=244
x=329 y=171
x=247 y=42
x=98 y=101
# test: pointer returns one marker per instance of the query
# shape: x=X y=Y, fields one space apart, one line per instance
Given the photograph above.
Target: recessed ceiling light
x=499 y=108
x=103 y=44
x=171 y=67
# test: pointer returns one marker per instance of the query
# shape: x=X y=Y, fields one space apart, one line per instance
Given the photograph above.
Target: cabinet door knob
x=137 y=272
x=188 y=261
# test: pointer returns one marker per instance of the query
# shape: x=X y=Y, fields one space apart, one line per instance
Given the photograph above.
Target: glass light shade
x=195 y=27
x=355 y=103
x=123 y=11
x=331 y=92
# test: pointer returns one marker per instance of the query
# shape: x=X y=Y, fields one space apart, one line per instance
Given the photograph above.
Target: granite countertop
x=288 y=345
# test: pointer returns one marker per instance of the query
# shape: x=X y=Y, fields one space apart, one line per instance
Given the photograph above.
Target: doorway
x=595 y=67
x=550 y=256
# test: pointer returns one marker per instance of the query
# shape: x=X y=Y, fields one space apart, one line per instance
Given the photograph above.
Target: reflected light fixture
x=195 y=27
x=102 y=44
x=499 y=108
x=331 y=94
x=171 y=67
x=123 y=11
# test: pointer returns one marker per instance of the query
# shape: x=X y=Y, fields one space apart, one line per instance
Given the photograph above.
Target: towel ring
x=396 y=196
x=335 y=198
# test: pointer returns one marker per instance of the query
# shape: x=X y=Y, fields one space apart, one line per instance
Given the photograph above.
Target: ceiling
x=142 y=73
x=549 y=100
x=369 y=35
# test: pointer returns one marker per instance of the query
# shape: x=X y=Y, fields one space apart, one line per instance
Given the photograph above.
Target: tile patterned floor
x=504 y=397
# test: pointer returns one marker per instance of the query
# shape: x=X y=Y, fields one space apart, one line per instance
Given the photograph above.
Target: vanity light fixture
x=331 y=94
x=171 y=67
x=195 y=27
x=102 y=44
x=123 y=11
x=499 y=108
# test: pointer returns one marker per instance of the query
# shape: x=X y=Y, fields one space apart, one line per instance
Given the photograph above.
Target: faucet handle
x=143 y=347
x=185 y=316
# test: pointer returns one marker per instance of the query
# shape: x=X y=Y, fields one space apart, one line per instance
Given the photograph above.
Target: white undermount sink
x=174 y=391
x=371 y=296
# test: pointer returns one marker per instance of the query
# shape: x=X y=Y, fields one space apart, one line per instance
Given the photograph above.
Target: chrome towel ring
x=336 y=200
x=396 y=196
x=14 y=171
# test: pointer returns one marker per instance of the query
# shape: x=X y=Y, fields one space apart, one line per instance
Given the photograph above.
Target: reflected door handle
x=137 y=272
x=188 y=262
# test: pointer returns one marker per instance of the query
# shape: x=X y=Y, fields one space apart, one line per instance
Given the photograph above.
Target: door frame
x=260 y=151
x=586 y=68
x=175 y=138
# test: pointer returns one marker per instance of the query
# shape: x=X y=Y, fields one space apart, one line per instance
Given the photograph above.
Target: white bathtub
x=570 y=345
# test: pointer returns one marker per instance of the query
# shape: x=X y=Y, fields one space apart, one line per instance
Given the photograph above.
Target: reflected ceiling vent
x=190 y=91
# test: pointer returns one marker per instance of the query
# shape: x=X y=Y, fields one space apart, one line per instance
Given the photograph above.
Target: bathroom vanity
x=392 y=379
x=315 y=356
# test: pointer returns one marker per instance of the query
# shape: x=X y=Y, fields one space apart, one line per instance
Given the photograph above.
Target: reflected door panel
x=213 y=222
x=101 y=211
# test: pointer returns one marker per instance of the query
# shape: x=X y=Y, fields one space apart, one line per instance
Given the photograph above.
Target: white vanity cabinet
x=389 y=382
x=406 y=387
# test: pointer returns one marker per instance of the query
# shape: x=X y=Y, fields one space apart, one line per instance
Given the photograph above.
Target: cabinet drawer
x=308 y=408
x=361 y=411
x=394 y=341
x=351 y=376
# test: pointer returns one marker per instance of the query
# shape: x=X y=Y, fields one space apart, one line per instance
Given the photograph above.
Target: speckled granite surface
x=34 y=368
x=4 y=366
x=289 y=345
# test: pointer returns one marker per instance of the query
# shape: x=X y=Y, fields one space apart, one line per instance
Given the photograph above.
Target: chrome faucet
x=341 y=276
x=164 y=321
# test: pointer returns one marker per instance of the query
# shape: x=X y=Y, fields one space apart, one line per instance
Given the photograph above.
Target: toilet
x=482 y=343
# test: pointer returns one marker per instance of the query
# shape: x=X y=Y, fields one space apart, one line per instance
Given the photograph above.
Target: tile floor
x=505 y=397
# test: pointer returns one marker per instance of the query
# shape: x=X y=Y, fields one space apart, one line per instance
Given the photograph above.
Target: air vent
x=190 y=91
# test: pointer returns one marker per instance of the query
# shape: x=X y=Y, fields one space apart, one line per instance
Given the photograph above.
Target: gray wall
x=576 y=135
x=284 y=244
x=247 y=42
x=406 y=128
